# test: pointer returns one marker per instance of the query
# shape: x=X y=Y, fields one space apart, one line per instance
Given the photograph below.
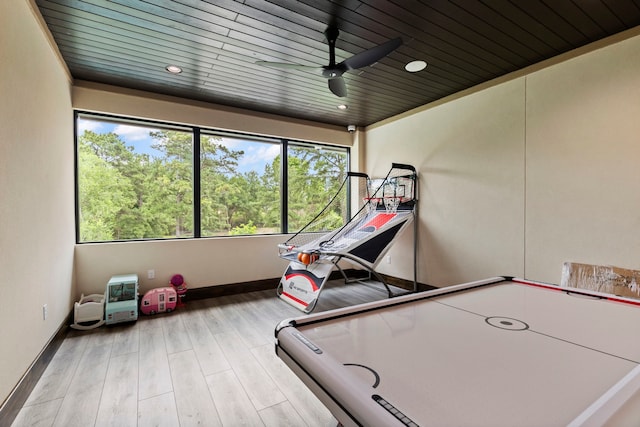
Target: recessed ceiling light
x=415 y=66
x=342 y=107
x=173 y=69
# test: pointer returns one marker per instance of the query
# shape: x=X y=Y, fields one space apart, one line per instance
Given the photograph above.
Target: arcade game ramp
x=388 y=206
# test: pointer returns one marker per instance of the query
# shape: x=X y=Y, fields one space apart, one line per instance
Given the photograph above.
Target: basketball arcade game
x=388 y=206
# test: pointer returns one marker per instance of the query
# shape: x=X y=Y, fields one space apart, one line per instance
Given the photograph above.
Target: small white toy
x=88 y=313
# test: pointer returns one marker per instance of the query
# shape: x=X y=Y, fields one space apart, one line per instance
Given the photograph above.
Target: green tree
x=315 y=176
x=173 y=177
x=243 y=229
x=129 y=195
x=107 y=188
x=219 y=197
x=269 y=195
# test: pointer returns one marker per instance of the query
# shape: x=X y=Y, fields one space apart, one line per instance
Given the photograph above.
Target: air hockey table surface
x=497 y=352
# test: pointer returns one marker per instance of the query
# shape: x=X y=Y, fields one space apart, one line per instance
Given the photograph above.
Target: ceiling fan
x=333 y=72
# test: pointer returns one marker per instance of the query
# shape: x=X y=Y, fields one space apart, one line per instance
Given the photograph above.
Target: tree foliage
x=128 y=195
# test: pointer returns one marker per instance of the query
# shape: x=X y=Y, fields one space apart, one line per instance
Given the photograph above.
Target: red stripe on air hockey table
x=577 y=291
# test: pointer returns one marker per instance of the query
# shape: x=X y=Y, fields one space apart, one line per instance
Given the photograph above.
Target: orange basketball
x=304 y=258
x=307 y=259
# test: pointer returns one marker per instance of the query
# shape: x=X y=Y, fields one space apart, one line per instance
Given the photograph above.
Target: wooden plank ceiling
x=129 y=43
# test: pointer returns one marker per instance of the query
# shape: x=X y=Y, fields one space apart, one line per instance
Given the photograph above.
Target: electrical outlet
x=388 y=259
x=45 y=311
x=151 y=274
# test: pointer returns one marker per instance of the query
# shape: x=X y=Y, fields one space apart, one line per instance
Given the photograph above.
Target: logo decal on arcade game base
x=302 y=280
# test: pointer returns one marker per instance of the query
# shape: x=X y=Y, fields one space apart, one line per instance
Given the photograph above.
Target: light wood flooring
x=210 y=363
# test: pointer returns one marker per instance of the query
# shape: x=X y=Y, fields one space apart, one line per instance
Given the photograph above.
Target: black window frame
x=197 y=132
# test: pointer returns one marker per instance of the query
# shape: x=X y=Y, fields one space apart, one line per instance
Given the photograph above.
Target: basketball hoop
x=372 y=203
x=391 y=203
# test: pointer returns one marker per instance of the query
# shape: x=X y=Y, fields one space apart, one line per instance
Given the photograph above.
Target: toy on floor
x=178 y=283
x=159 y=300
x=166 y=299
x=121 y=303
x=88 y=313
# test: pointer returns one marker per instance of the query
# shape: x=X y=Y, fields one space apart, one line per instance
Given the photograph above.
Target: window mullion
x=284 y=187
x=197 y=232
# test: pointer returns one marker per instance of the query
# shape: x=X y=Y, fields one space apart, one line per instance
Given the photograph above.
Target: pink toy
x=177 y=281
x=159 y=300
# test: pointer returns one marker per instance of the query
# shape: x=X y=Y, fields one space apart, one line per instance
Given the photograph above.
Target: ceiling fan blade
x=338 y=87
x=333 y=72
x=371 y=56
x=288 y=66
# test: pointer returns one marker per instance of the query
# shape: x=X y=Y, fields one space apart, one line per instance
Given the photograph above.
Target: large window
x=239 y=188
x=143 y=180
x=315 y=175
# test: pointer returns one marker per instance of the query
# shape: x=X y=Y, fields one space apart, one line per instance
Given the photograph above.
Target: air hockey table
x=496 y=352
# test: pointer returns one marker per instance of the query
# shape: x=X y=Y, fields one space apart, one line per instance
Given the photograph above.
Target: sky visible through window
x=256 y=155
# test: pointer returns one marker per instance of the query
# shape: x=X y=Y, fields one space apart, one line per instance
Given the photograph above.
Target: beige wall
x=583 y=162
x=522 y=176
x=203 y=262
x=469 y=154
x=36 y=192
x=89 y=96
